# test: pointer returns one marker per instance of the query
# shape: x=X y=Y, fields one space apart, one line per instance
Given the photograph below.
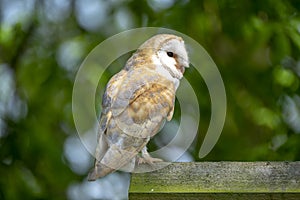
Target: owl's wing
x=144 y=100
x=108 y=97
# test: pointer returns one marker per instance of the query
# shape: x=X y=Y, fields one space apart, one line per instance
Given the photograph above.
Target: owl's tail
x=99 y=171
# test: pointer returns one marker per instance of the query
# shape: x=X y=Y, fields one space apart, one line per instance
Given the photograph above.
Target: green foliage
x=255 y=44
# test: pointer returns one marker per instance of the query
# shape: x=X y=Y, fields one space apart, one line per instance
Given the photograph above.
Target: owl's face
x=173 y=56
x=168 y=51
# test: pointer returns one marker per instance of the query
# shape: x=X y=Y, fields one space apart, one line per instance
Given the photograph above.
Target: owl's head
x=170 y=52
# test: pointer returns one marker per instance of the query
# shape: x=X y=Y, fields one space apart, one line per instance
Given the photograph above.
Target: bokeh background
x=255 y=44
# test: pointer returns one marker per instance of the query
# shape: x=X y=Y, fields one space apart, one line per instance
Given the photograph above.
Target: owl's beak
x=182 y=64
x=181 y=68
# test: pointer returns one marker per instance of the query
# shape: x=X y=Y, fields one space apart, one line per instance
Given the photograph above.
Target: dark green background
x=255 y=45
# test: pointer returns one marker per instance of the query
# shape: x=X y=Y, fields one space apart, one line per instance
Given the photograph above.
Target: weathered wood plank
x=219 y=180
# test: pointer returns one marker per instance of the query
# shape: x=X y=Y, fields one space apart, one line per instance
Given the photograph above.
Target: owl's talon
x=148 y=159
x=140 y=160
x=151 y=160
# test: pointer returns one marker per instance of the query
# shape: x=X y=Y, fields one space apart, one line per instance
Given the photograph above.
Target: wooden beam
x=218 y=180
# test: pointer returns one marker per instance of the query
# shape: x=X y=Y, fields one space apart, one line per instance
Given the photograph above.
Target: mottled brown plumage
x=136 y=103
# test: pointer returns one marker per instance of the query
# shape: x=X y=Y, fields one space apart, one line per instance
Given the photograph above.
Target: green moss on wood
x=223 y=178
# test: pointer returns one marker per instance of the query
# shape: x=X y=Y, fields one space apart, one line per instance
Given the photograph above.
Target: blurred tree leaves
x=255 y=44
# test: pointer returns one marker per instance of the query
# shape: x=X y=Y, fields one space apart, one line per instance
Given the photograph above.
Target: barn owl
x=136 y=103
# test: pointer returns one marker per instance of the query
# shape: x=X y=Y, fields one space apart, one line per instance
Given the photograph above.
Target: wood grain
x=219 y=180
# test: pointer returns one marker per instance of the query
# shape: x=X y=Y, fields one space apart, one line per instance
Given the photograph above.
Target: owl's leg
x=146 y=158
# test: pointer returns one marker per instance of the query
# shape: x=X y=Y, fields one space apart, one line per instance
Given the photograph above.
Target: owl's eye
x=170 y=54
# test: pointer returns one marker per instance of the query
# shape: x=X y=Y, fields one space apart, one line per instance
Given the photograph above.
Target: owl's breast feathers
x=134 y=106
x=138 y=99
